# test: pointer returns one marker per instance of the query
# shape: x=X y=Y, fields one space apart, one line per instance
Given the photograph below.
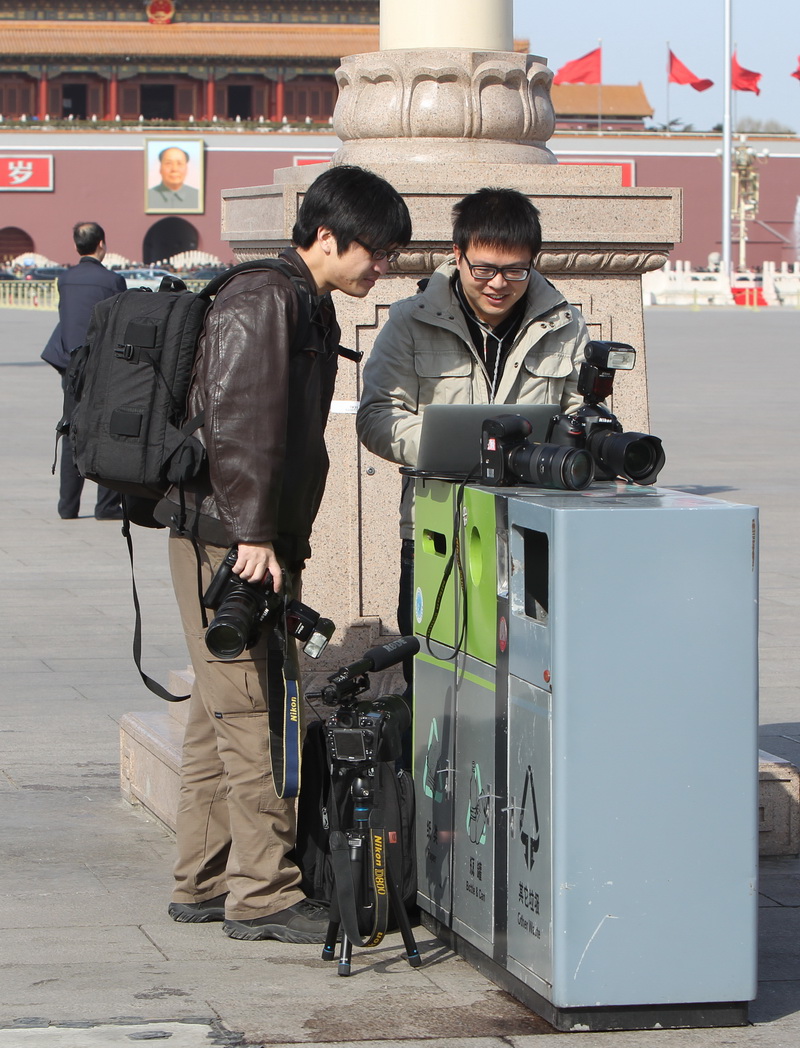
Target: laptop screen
x=450 y=441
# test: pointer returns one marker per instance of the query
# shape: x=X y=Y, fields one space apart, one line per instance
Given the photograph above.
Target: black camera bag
x=318 y=809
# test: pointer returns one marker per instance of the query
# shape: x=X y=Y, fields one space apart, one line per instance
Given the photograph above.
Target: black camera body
x=367 y=731
x=242 y=610
x=361 y=733
x=508 y=456
x=638 y=457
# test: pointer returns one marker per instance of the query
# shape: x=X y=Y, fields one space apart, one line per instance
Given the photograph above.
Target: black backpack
x=320 y=808
x=125 y=400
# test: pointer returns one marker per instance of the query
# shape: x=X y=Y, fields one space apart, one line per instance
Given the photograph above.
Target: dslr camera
x=638 y=457
x=242 y=609
x=361 y=733
x=508 y=456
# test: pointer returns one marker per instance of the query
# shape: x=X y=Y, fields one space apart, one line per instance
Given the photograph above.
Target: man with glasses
x=485 y=329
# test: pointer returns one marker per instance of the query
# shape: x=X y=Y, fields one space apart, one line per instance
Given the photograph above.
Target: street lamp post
x=745 y=191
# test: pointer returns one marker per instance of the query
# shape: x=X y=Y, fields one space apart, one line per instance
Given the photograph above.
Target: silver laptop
x=450 y=442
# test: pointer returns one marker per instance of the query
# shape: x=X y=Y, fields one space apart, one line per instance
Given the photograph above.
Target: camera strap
x=285 y=732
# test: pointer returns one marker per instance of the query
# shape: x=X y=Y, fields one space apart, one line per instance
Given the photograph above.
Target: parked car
x=45 y=273
x=146 y=276
x=5 y=275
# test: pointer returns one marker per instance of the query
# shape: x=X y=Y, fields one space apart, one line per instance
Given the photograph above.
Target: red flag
x=679 y=74
x=585 y=70
x=743 y=79
x=796 y=73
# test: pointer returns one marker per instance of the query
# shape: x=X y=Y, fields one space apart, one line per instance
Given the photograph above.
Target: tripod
x=363 y=865
x=364 y=740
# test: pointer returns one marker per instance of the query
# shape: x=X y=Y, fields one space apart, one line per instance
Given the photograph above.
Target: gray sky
x=634 y=36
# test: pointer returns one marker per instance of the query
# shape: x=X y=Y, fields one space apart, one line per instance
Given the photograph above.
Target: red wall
x=701 y=179
x=106 y=185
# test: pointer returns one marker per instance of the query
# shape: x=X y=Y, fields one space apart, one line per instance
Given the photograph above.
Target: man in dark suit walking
x=79 y=290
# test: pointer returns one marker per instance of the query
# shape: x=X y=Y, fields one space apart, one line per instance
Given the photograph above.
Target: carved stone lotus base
x=438 y=105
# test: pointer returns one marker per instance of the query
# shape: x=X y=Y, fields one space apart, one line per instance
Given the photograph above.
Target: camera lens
x=639 y=457
x=235 y=625
x=552 y=466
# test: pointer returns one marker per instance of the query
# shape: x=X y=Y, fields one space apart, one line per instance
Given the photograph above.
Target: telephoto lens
x=638 y=457
x=552 y=466
x=236 y=623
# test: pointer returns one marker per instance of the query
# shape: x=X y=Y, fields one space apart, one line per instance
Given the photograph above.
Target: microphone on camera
x=379 y=658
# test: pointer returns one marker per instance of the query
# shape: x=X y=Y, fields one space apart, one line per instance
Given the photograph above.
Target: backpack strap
x=149 y=682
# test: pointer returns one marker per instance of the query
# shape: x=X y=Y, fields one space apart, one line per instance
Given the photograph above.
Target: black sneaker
x=199 y=912
x=305 y=922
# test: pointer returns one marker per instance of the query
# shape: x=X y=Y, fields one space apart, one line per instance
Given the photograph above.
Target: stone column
x=472 y=24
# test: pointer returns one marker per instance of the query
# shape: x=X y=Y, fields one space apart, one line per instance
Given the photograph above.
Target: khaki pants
x=234 y=832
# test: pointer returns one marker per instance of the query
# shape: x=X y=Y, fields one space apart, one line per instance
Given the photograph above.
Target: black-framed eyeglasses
x=378 y=253
x=481 y=272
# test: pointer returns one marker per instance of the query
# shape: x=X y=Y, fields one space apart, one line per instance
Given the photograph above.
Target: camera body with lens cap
x=637 y=457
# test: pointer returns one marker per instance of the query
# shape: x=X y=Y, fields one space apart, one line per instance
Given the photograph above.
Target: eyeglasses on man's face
x=378 y=254
x=484 y=272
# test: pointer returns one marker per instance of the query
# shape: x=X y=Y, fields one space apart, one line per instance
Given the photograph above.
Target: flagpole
x=726 y=145
x=600 y=91
x=667 y=124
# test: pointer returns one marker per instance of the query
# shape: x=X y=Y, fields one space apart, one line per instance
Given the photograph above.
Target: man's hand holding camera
x=256 y=561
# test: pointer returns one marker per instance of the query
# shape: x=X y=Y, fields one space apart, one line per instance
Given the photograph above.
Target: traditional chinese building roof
x=41 y=39
x=620 y=101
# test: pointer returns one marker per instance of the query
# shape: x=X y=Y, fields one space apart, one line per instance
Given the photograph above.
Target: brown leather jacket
x=266 y=405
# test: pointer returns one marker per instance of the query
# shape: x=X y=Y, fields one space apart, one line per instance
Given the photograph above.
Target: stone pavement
x=88 y=956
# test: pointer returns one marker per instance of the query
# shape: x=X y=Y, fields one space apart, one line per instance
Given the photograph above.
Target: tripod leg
x=403 y=923
x=330 y=941
x=345 y=956
x=332 y=934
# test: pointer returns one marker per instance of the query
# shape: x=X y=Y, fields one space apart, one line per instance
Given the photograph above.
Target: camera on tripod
x=367 y=731
x=242 y=609
x=638 y=457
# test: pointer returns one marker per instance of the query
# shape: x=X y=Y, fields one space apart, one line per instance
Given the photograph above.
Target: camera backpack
x=125 y=400
x=320 y=808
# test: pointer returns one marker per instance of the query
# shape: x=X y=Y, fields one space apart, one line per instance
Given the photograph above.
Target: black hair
x=500 y=218
x=87 y=237
x=166 y=148
x=353 y=203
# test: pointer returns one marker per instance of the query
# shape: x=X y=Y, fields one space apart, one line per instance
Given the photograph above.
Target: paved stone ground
x=87 y=954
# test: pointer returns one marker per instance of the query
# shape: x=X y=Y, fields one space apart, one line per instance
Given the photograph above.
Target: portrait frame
x=194 y=148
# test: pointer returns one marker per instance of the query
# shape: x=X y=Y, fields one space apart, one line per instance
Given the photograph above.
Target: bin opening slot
x=434 y=542
x=537 y=574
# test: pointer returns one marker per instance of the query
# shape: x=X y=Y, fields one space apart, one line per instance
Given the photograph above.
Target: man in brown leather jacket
x=266 y=402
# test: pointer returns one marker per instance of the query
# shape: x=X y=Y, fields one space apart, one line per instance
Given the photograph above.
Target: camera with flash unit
x=637 y=457
x=243 y=609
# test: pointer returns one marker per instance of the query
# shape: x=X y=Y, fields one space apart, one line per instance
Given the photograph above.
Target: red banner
x=22 y=173
x=584 y=70
x=796 y=73
x=679 y=74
